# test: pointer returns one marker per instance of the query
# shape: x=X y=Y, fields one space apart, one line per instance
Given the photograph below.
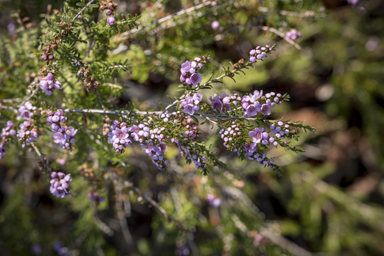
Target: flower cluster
x=259 y=53
x=48 y=83
x=221 y=103
x=231 y=136
x=155 y=148
x=190 y=103
x=54 y=119
x=60 y=184
x=7 y=131
x=153 y=143
x=109 y=7
x=118 y=136
x=281 y=130
x=256 y=102
x=65 y=136
x=253 y=154
x=188 y=71
x=26 y=111
x=188 y=147
x=293 y=34
x=27 y=133
x=169 y=116
x=3 y=150
x=6 y=134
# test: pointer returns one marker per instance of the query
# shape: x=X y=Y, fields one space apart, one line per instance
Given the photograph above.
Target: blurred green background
x=329 y=200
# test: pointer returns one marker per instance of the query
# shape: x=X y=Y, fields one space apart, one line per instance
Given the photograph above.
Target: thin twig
x=103 y=227
x=41 y=156
x=85 y=7
x=125 y=35
x=117 y=66
x=280 y=34
x=121 y=215
x=11 y=100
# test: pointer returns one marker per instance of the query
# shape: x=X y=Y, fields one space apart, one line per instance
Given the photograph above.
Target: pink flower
x=196 y=78
x=265 y=109
x=111 y=20
x=215 y=25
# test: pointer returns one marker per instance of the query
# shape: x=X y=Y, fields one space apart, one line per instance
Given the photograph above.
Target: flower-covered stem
x=217 y=79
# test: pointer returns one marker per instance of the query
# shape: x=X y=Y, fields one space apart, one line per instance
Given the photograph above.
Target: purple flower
x=256 y=94
x=197 y=97
x=36 y=249
x=213 y=200
x=3 y=150
x=196 y=78
x=26 y=110
x=60 y=184
x=50 y=77
x=353 y=2
x=293 y=34
x=190 y=109
x=252 y=109
x=215 y=25
x=10 y=124
x=47 y=84
x=216 y=103
x=111 y=20
x=190 y=103
x=108 y=12
x=265 y=109
x=256 y=135
x=185 y=67
x=58 y=138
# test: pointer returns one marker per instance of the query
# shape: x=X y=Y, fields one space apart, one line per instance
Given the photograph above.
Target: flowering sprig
x=188 y=70
x=6 y=134
x=109 y=8
x=293 y=34
x=60 y=184
x=26 y=110
x=153 y=131
x=56 y=120
x=48 y=83
x=65 y=136
x=119 y=136
x=27 y=133
x=190 y=103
